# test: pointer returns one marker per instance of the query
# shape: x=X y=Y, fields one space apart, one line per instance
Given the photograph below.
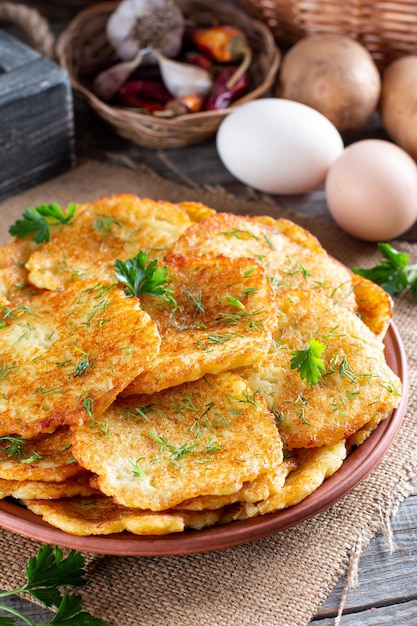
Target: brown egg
x=371 y=190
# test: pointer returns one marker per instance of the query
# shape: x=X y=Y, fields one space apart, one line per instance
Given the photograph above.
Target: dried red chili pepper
x=221 y=96
x=226 y=44
x=133 y=101
x=148 y=89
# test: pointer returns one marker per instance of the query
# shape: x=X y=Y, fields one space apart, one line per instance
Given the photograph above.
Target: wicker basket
x=387 y=29
x=84 y=41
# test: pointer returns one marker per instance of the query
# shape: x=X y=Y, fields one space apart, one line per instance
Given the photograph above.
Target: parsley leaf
x=69 y=613
x=38 y=220
x=141 y=277
x=46 y=572
x=308 y=362
x=394 y=274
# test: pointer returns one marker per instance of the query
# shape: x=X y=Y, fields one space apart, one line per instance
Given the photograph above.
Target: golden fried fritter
x=223 y=318
x=314 y=466
x=98 y=515
x=67 y=355
x=288 y=263
x=374 y=305
x=16 y=252
x=208 y=437
x=111 y=228
x=261 y=488
x=44 y=457
x=14 y=283
x=293 y=231
x=78 y=485
x=356 y=387
x=196 y=210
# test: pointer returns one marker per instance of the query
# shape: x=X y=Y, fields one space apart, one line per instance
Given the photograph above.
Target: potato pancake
x=222 y=318
x=374 y=305
x=14 y=286
x=16 y=252
x=314 y=466
x=44 y=457
x=356 y=386
x=287 y=263
x=14 y=283
x=101 y=232
x=196 y=210
x=98 y=515
x=293 y=231
x=208 y=437
x=261 y=488
x=68 y=354
x=78 y=485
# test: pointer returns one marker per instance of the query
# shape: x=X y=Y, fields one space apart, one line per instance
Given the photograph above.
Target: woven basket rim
x=387 y=29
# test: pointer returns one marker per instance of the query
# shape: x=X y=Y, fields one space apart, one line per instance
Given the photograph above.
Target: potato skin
x=335 y=75
x=398 y=104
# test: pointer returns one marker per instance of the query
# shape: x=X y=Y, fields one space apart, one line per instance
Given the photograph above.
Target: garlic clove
x=108 y=82
x=183 y=79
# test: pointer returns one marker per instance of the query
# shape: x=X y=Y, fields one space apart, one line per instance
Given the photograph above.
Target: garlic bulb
x=137 y=24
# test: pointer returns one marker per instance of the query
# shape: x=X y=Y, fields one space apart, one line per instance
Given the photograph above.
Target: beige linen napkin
x=278 y=581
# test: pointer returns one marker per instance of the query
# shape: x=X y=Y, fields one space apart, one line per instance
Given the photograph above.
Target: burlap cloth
x=278 y=581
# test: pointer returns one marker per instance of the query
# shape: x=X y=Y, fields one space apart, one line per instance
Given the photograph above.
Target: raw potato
x=333 y=74
x=398 y=105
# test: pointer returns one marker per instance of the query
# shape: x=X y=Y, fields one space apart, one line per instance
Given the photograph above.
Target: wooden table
x=386 y=594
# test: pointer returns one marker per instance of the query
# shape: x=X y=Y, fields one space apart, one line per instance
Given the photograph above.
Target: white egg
x=278 y=146
x=371 y=190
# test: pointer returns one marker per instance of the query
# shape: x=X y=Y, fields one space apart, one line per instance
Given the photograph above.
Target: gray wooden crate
x=36 y=118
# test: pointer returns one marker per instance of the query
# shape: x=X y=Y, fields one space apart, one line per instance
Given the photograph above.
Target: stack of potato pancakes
x=183 y=409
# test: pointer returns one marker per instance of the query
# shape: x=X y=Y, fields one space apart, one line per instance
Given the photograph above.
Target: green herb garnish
x=139 y=277
x=394 y=274
x=45 y=573
x=38 y=220
x=12 y=447
x=308 y=362
x=83 y=367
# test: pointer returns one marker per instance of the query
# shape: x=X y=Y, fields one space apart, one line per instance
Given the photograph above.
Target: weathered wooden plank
x=31 y=610
x=385 y=579
x=13 y=57
x=398 y=615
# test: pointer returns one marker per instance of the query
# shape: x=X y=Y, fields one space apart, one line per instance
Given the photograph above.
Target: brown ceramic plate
x=356 y=467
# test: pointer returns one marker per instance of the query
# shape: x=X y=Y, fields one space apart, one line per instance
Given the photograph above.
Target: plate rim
x=353 y=471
